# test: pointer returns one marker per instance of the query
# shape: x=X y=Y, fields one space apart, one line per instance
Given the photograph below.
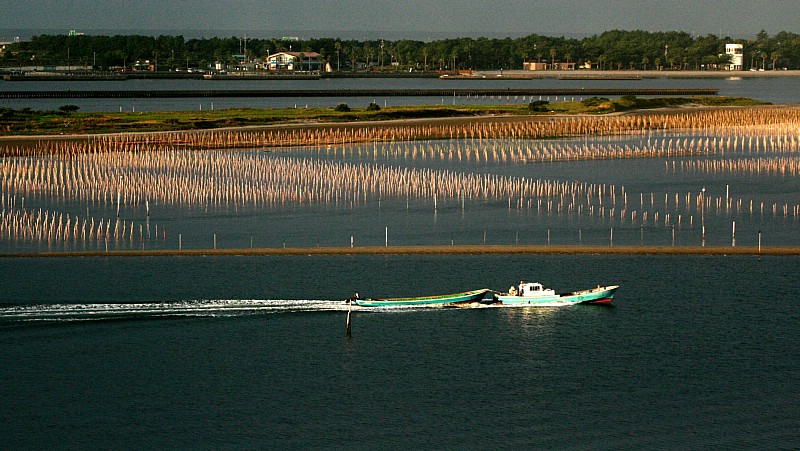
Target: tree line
x=615 y=49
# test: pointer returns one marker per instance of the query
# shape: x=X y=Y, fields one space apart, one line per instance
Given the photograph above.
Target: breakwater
x=210 y=93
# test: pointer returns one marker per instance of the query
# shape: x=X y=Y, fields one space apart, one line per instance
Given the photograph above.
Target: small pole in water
x=347 y=329
x=759 y=241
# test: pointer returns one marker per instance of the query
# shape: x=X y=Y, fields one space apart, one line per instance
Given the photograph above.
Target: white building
x=307 y=61
x=736 y=52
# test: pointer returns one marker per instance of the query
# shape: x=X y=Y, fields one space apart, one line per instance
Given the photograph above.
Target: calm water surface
x=250 y=352
x=775 y=90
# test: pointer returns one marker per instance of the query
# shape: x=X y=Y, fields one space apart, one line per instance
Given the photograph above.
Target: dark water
x=773 y=89
x=246 y=352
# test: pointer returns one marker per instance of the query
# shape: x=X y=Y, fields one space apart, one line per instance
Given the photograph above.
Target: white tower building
x=736 y=51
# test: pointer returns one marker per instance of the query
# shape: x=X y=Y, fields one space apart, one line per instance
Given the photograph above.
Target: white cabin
x=533 y=289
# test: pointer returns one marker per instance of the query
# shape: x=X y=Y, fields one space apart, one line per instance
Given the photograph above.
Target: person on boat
x=512 y=291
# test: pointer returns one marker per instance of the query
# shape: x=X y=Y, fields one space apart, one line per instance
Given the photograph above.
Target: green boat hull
x=456 y=298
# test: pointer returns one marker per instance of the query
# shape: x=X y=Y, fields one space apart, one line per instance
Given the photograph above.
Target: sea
x=251 y=352
x=242 y=352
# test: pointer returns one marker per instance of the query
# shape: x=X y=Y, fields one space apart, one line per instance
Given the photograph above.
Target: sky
x=417 y=19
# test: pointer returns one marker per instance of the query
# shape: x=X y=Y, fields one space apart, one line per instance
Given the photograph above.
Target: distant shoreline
x=434 y=250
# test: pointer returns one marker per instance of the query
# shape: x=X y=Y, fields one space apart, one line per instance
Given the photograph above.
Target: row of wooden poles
x=20 y=224
x=524 y=128
x=750 y=141
x=188 y=178
x=182 y=177
x=185 y=178
x=758 y=166
x=114 y=170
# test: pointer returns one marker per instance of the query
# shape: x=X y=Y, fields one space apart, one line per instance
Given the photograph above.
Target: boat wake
x=16 y=314
x=191 y=308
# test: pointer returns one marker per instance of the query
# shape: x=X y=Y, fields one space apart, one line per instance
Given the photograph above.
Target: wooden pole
x=347 y=329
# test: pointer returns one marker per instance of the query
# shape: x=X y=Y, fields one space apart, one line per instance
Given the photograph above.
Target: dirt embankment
x=439 y=250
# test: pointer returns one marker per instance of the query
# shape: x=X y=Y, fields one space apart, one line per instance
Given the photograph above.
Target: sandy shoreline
x=637 y=73
x=436 y=250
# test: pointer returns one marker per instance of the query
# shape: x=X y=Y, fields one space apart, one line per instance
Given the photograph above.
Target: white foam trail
x=222 y=307
x=197 y=308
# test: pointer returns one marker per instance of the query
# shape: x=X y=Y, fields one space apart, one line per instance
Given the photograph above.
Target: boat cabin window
x=530 y=288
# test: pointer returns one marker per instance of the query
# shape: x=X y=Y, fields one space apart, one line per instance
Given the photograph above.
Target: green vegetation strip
x=68 y=121
x=436 y=250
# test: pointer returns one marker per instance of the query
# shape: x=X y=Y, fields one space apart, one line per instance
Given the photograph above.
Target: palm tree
x=552 y=58
x=368 y=55
x=353 y=59
x=645 y=62
x=776 y=55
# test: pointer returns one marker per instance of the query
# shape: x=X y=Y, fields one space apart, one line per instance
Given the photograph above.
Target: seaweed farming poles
x=479 y=129
x=58 y=227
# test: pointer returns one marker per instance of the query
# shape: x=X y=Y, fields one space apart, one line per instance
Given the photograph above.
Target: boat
x=534 y=294
x=466 y=297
